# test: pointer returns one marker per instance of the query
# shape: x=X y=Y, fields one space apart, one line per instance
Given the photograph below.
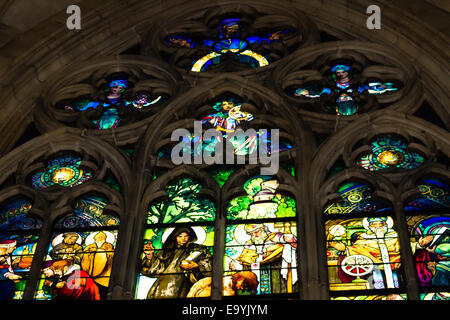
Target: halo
x=109 y=237
x=240 y=235
x=199 y=231
x=59 y=238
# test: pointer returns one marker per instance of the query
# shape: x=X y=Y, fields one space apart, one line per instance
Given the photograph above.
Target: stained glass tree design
x=182 y=205
x=19 y=233
x=176 y=260
x=79 y=259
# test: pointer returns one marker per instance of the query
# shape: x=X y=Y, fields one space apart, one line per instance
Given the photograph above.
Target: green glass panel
x=261 y=201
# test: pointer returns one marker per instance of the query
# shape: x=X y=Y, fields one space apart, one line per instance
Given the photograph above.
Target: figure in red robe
x=71 y=283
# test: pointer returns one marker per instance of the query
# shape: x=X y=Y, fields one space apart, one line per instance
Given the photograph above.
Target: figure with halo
x=379 y=243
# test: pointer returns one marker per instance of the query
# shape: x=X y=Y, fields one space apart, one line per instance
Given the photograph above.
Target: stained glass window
x=230 y=120
x=430 y=242
x=389 y=152
x=434 y=194
x=262 y=201
x=228 y=43
x=363 y=254
x=261 y=241
x=346 y=92
x=439 y=296
x=356 y=198
x=108 y=112
x=64 y=171
x=429 y=230
x=363 y=250
x=19 y=232
x=176 y=260
x=79 y=259
x=374 y=297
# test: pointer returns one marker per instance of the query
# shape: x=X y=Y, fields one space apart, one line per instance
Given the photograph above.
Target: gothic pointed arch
x=86 y=148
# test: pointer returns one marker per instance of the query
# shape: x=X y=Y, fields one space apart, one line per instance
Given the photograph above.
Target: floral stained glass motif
x=182 y=205
x=363 y=254
x=18 y=240
x=116 y=101
x=64 y=171
x=356 y=197
x=430 y=242
x=389 y=152
x=260 y=258
x=176 y=263
x=344 y=90
x=434 y=195
x=262 y=201
x=229 y=41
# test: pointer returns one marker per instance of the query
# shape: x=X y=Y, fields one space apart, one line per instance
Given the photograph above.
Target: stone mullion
x=130 y=240
x=45 y=237
x=219 y=249
x=409 y=268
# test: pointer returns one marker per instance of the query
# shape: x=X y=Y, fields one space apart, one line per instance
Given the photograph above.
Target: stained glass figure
x=260 y=258
x=182 y=205
x=176 y=263
x=389 y=152
x=363 y=254
x=18 y=240
x=434 y=195
x=228 y=42
x=261 y=202
x=344 y=90
x=227 y=121
x=228 y=117
x=356 y=198
x=116 y=102
x=78 y=263
x=435 y=296
x=374 y=297
x=65 y=171
x=430 y=242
